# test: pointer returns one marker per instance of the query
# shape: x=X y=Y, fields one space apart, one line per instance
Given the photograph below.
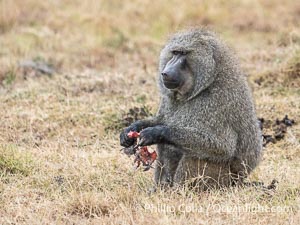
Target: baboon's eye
x=179 y=52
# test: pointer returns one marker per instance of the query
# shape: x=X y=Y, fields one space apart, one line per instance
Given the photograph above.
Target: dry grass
x=59 y=151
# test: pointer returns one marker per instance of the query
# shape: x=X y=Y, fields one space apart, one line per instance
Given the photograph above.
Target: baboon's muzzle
x=172 y=73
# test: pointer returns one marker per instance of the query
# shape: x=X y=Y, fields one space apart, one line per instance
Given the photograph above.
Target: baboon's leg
x=201 y=174
x=166 y=165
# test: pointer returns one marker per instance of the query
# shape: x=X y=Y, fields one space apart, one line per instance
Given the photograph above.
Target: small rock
x=38 y=66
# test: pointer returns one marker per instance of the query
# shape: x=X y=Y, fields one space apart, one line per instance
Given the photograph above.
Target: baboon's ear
x=204 y=79
x=218 y=56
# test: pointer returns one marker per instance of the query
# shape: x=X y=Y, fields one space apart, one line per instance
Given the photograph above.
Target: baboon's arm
x=203 y=142
x=142 y=124
x=137 y=126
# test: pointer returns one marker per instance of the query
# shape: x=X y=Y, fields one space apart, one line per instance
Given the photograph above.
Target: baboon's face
x=174 y=73
x=185 y=61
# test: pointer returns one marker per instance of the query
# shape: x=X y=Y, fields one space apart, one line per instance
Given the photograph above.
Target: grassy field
x=60 y=160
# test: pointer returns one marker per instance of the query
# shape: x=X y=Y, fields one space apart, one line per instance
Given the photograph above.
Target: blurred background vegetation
x=78 y=34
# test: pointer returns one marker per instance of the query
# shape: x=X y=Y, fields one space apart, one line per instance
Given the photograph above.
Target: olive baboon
x=206 y=129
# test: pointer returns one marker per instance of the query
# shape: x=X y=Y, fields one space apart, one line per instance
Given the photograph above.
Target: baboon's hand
x=124 y=139
x=153 y=135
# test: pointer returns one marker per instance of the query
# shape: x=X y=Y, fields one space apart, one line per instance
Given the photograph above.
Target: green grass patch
x=13 y=161
x=9 y=77
x=293 y=66
x=116 y=40
x=112 y=121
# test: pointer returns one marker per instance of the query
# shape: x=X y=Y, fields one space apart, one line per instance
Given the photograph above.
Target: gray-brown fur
x=206 y=130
